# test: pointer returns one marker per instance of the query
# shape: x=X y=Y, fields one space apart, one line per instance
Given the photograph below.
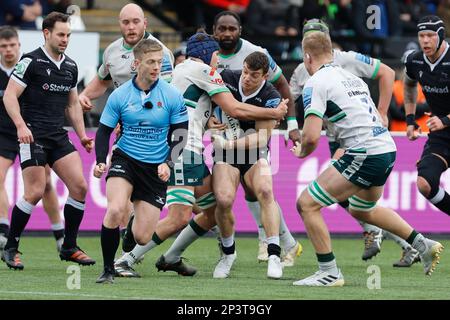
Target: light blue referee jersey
x=144 y=131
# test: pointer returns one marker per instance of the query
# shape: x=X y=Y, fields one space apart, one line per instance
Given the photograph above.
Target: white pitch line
x=56 y=294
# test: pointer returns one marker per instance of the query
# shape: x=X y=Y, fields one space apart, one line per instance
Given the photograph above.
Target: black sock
x=444 y=204
x=110 y=239
x=229 y=250
x=273 y=249
x=58 y=234
x=19 y=220
x=128 y=242
x=4 y=229
x=73 y=214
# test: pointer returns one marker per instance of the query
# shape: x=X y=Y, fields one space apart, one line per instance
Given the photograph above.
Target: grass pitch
x=46 y=277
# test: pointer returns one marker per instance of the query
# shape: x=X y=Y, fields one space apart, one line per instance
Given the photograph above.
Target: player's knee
x=181 y=217
x=429 y=170
x=225 y=199
x=142 y=237
x=34 y=193
x=305 y=204
x=79 y=190
x=265 y=193
x=423 y=186
x=115 y=214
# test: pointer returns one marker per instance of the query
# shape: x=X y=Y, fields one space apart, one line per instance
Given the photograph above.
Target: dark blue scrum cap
x=201 y=46
x=435 y=24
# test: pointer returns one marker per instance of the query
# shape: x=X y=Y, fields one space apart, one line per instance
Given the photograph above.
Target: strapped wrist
x=292 y=124
x=411 y=121
x=445 y=121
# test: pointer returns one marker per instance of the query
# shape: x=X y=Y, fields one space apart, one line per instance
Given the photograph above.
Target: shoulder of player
x=248 y=45
x=414 y=58
x=230 y=76
x=70 y=62
x=168 y=89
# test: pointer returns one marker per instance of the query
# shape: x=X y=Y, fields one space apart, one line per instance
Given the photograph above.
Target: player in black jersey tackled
x=431 y=68
x=46 y=82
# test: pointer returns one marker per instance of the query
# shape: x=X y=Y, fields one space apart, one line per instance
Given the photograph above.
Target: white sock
x=329 y=267
x=273 y=240
x=419 y=243
x=286 y=239
x=402 y=243
x=255 y=210
x=228 y=242
x=138 y=251
x=369 y=227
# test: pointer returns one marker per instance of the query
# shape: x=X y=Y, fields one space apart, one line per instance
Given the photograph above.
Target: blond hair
x=317 y=44
x=145 y=46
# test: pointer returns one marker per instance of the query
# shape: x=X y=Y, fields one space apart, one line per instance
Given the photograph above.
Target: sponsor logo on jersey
x=22 y=67
x=429 y=89
x=417 y=61
x=70 y=63
x=272 y=103
x=55 y=88
x=376 y=131
x=218 y=81
x=42 y=60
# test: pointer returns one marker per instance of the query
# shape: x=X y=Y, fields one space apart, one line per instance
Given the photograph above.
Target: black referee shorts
x=143 y=177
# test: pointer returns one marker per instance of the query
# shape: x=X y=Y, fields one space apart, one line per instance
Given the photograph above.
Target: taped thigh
x=206 y=201
x=359 y=204
x=180 y=196
x=320 y=196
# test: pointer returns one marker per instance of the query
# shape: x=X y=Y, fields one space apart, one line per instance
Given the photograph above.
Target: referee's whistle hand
x=24 y=135
x=164 y=172
x=99 y=169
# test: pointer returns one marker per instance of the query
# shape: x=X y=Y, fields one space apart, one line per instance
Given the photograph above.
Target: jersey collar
x=238 y=47
x=254 y=94
x=146 y=91
x=127 y=47
x=433 y=65
x=56 y=63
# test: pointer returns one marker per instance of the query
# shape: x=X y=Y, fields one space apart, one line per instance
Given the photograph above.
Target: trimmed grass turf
x=45 y=276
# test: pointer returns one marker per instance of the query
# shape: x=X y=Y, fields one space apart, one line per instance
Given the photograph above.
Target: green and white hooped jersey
x=118 y=62
x=350 y=114
x=198 y=82
x=235 y=61
x=356 y=63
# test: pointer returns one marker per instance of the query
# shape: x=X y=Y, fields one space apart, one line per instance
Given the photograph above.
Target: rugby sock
x=128 y=241
x=402 y=243
x=418 y=241
x=19 y=218
x=369 y=227
x=73 y=214
x=4 y=226
x=228 y=245
x=110 y=239
x=58 y=230
x=286 y=239
x=255 y=210
x=139 y=250
x=442 y=201
x=327 y=263
x=186 y=237
x=273 y=246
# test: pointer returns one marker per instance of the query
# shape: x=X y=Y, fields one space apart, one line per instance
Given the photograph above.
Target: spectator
x=20 y=13
x=410 y=13
x=179 y=54
x=212 y=7
x=272 y=18
x=389 y=23
x=443 y=11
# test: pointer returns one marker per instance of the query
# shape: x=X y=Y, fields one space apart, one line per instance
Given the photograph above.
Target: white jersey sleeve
x=358 y=64
x=314 y=98
x=298 y=80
